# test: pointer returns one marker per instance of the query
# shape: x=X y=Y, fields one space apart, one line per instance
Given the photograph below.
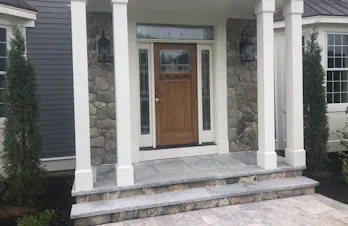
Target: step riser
x=165 y=210
x=184 y=186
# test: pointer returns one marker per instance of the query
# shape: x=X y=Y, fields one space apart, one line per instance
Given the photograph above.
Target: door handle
x=157 y=100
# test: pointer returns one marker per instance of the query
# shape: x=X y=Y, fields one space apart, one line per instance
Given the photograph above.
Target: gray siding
x=50 y=51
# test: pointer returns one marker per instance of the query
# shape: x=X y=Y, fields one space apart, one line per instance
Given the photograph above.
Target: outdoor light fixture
x=246 y=49
x=103 y=49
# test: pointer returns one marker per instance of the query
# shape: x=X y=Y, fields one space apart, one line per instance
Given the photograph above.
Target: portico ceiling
x=229 y=8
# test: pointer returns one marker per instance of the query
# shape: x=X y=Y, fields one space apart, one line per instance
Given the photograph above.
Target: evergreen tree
x=316 y=129
x=22 y=142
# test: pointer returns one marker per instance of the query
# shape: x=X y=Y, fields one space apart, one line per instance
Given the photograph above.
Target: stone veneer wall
x=241 y=82
x=101 y=93
x=242 y=88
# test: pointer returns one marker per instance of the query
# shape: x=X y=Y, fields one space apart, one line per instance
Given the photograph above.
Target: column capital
x=265 y=6
x=119 y=1
x=293 y=7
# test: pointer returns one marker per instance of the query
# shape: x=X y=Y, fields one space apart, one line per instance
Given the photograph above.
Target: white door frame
x=149 y=140
x=218 y=119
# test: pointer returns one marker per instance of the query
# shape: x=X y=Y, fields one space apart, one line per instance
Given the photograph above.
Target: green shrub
x=316 y=128
x=345 y=168
x=43 y=219
x=22 y=142
x=343 y=133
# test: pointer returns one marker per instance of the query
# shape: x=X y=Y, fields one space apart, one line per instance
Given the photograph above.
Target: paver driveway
x=309 y=210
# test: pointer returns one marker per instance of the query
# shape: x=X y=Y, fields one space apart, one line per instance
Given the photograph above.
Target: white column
x=266 y=155
x=295 y=154
x=125 y=171
x=221 y=87
x=83 y=171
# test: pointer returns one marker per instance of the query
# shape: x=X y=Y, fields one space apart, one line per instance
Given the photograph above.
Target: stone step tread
x=103 y=207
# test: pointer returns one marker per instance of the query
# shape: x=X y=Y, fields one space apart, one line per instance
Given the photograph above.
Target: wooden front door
x=176 y=94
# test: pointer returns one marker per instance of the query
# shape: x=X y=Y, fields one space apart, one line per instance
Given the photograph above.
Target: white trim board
x=17 y=12
x=317 y=20
x=54 y=164
x=59 y=164
x=177 y=152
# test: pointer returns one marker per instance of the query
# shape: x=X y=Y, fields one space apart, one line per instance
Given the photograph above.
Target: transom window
x=337 y=68
x=3 y=59
x=177 y=32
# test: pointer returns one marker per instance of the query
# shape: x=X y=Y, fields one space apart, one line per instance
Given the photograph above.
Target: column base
x=267 y=160
x=83 y=180
x=125 y=175
x=223 y=147
x=295 y=158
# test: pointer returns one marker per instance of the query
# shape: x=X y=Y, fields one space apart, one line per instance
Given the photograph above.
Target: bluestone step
x=155 y=204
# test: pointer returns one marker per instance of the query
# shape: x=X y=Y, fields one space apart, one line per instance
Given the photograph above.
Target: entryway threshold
x=176 y=146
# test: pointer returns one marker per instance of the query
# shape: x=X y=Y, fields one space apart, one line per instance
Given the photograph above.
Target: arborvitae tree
x=22 y=142
x=316 y=129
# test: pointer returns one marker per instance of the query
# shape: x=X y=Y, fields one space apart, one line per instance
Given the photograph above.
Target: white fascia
x=21 y=13
x=317 y=20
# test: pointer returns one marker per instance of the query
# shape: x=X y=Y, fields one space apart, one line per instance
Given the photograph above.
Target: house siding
x=49 y=49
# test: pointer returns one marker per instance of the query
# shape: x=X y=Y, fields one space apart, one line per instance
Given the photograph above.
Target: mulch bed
x=332 y=186
x=331 y=181
x=14 y=211
x=57 y=197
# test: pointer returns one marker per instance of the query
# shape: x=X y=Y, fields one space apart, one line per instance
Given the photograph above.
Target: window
x=337 y=68
x=3 y=59
x=152 y=31
x=175 y=61
x=144 y=91
x=206 y=89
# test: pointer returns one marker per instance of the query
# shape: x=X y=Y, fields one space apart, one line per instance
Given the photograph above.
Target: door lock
x=156 y=97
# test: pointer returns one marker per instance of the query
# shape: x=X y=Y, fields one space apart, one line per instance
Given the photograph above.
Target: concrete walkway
x=310 y=210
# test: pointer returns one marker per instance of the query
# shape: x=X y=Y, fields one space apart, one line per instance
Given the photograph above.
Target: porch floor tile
x=183 y=170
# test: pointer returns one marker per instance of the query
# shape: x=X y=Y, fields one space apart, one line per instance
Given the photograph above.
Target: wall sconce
x=103 y=48
x=246 y=49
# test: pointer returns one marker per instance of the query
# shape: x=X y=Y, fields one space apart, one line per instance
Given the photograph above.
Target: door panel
x=176 y=94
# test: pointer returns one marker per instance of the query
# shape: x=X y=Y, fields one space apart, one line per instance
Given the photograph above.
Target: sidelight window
x=144 y=91
x=205 y=89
